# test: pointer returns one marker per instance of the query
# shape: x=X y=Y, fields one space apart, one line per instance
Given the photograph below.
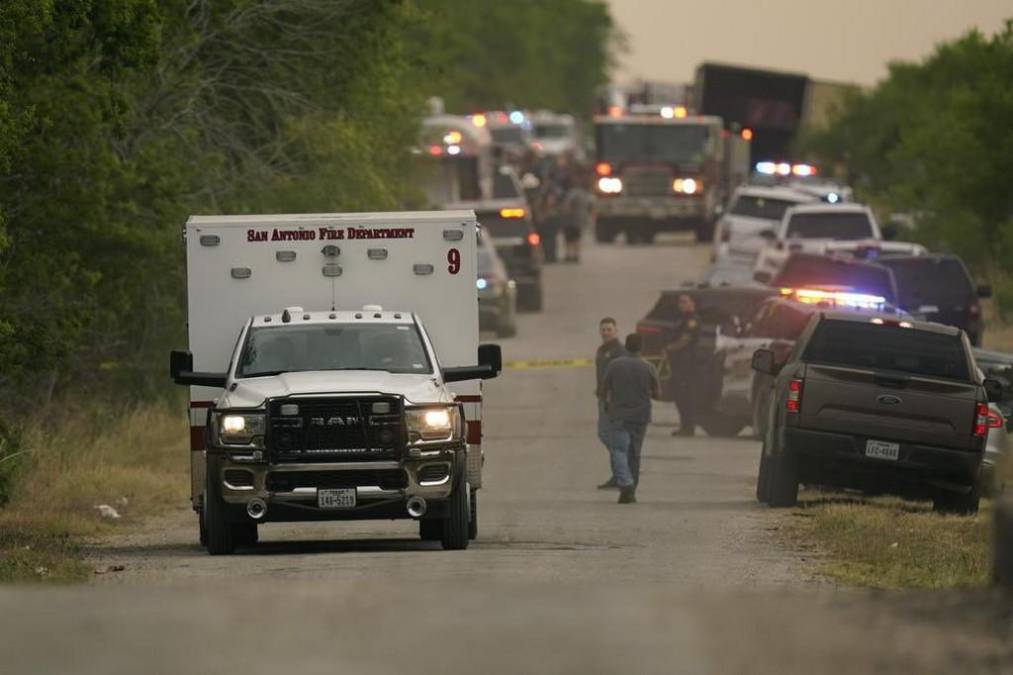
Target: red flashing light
x=794 y=402
x=534 y=239
x=615 y=111
x=435 y=150
x=747 y=134
x=603 y=169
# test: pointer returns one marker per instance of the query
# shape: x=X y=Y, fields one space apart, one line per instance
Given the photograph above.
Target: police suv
x=317 y=392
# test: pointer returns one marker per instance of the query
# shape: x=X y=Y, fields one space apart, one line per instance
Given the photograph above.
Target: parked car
x=508 y=224
x=997 y=366
x=825 y=228
x=879 y=404
x=809 y=270
x=939 y=288
x=497 y=292
x=722 y=311
x=738 y=394
x=752 y=210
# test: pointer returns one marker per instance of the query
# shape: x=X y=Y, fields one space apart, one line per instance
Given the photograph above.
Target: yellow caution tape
x=548 y=363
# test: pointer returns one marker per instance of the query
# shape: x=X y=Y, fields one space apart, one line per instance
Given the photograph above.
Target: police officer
x=610 y=350
x=681 y=352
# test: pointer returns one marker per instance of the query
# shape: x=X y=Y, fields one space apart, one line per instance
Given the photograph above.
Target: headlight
x=432 y=424
x=610 y=185
x=687 y=186
x=240 y=428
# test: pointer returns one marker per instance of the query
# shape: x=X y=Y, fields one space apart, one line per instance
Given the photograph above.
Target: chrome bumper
x=307 y=494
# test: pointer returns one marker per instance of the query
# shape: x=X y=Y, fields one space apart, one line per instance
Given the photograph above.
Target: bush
x=12 y=454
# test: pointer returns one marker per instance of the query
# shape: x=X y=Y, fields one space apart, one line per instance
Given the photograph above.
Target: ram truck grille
x=335 y=429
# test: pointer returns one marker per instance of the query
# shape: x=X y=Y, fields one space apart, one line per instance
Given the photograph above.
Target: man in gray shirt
x=626 y=391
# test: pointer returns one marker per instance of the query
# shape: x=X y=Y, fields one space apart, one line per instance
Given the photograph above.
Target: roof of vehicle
x=708 y=290
x=905 y=323
x=823 y=207
x=774 y=192
x=367 y=314
x=399 y=217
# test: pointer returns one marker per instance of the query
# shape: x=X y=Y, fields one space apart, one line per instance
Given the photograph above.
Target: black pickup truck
x=876 y=403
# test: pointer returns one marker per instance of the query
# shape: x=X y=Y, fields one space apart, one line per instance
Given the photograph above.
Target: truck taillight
x=603 y=169
x=794 y=402
x=981 y=420
x=995 y=420
x=534 y=239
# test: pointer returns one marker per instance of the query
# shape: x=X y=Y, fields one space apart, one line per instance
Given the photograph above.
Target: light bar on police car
x=610 y=185
x=815 y=296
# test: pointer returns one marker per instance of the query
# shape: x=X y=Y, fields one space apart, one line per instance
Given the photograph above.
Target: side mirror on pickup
x=984 y=291
x=765 y=361
x=181 y=371
x=993 y=389
x=490 y=363
x=768 y=235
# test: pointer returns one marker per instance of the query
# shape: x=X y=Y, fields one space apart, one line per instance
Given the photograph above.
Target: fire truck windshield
x=668 y=143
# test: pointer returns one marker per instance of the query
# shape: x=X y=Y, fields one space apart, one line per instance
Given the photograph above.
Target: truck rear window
x=883 y=347
x=761 y=207
x=844 y=226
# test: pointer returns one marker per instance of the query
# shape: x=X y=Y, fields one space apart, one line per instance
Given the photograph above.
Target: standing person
x=682 y=356
x=579 y=208
x=609 y=350
x=629 y=384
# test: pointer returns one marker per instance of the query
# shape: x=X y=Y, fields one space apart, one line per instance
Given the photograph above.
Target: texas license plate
x=882 y=450
x=336 y=499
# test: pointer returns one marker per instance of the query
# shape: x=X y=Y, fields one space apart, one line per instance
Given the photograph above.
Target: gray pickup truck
x=876 y=403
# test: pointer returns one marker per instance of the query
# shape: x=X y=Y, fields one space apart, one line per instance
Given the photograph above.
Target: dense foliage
x=118 y=118
x=935 y=139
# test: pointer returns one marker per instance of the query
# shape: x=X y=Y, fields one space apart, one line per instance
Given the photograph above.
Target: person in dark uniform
x=681 y=352
x=610 y=350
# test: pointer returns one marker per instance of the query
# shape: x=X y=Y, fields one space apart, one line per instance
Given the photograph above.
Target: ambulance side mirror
x=181 y=371
x=490 y=363
x=491 y=356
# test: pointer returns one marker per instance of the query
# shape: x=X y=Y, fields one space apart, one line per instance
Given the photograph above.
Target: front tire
x=454 y=536
x=221 y=539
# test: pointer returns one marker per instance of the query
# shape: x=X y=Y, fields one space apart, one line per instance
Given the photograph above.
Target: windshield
x=846 y=226
x=761 y=207
x=552 y=131
x=867 y=345
x=807 y=272
x=395 y=348
x=930 y=281
x=511 y=134
x=678 y=144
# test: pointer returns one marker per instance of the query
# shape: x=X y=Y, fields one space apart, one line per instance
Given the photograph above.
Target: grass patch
x=132 y=461
x=890 y=543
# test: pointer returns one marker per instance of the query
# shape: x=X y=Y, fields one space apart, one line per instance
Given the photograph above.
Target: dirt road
x=561 y=579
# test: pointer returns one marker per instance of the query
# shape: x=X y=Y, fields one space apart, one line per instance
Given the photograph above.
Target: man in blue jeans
x=610 y=350
x=626 y=391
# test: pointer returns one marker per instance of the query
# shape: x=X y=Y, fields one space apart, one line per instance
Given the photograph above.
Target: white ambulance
x=332 y=372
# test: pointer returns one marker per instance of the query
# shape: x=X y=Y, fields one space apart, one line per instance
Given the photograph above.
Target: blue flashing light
x=833 y=197
x=481 y=283
x=766 y=168
x=517 y=117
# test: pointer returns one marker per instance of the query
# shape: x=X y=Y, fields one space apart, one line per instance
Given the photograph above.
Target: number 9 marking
x=454 y=258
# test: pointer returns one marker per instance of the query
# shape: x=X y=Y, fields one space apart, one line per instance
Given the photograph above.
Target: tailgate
x=889 y=406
